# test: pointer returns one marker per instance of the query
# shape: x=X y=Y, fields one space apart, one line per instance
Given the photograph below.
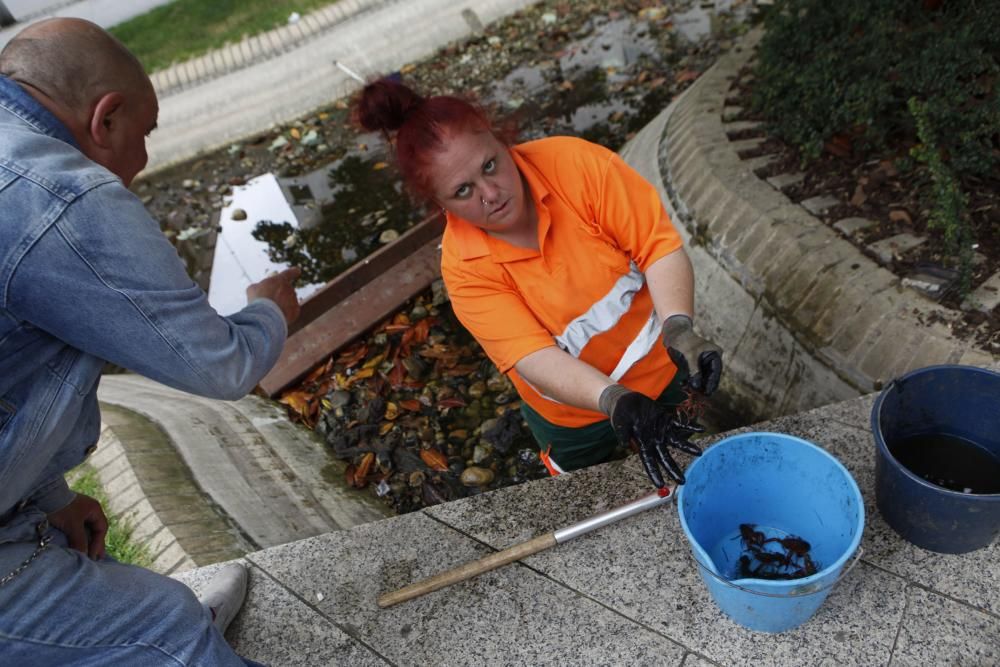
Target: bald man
x=86 y=278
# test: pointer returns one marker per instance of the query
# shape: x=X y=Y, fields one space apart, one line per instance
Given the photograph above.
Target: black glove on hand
x=683 y=343
x=636 y=417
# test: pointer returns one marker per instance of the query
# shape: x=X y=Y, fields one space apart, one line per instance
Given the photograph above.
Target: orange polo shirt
x=600 y=225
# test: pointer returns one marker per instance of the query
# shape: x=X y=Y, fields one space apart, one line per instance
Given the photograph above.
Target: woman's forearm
x=671 y=285
x=559 y=375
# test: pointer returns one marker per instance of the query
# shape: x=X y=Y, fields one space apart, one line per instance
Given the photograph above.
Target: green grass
x=183 y=29
x=119 y=541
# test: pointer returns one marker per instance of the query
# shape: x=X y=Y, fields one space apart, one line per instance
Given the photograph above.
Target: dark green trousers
x=575 y=448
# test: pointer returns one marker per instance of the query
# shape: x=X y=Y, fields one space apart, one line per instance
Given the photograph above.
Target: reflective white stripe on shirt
x=604 y=314
x=639 y=347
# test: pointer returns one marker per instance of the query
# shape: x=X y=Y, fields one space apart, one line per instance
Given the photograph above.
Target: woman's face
x=475 y=178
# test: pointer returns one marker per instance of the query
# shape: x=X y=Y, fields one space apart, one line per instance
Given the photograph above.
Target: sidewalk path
x=244 y=88
x=374 y=36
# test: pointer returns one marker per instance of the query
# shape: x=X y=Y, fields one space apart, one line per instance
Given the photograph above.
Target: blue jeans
x=65 y=609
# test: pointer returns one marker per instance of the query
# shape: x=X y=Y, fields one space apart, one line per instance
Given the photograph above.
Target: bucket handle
x=857 y=557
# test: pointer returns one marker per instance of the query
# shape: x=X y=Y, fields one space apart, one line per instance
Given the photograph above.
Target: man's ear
x=104 y=118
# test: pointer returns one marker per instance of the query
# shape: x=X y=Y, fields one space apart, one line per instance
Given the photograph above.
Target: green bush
x=851 y=66
x=847 y=69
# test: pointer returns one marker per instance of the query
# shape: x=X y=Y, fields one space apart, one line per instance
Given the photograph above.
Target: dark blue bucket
x=962 y=403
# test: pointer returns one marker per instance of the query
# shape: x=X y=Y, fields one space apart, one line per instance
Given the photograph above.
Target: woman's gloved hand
x=654 y=428
x=682 y=344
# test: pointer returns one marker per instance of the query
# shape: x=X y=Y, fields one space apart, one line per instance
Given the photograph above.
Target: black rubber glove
x=683 y=343
x=654 y=428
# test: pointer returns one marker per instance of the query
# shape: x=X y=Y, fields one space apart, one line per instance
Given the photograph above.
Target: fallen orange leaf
x=360 y=375
x=434 y=459
x=411 y=404
x=363 y=469
x=374 y=361
x=686 y=75
x=298 y=401
x=319 y=371
x=353 y=355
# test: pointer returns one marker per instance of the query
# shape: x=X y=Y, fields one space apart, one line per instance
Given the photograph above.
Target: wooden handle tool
x=525 y=549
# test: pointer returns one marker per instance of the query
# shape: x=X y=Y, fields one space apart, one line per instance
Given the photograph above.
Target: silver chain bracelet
x=44 y=540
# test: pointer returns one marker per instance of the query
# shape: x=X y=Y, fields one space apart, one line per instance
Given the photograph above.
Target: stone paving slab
x=849 y=226
x=509 y=616
x=629 y=593
x=888 y=249
x=986 y=297
x=276 y=627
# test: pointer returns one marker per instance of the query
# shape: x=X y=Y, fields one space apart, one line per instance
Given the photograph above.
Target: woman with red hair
x=561 y=261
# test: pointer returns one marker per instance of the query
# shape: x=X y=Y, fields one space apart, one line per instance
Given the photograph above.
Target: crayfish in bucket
x=788 y=558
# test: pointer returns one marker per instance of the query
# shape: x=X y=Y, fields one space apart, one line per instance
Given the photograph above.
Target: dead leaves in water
x=357 y=475
x=434 y=459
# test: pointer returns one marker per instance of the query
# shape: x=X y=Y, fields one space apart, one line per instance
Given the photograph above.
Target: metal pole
x=525 y=549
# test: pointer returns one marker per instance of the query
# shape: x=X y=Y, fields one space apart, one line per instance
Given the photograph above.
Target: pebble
x=280 y=142
x=478 y=389
x=311 y=138
x=388 y=236
x=239 y=214
x=482 y=452
x=339 y=398
x=475 y=476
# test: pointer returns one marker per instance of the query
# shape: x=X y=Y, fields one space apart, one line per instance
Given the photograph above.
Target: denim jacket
x=87 y=277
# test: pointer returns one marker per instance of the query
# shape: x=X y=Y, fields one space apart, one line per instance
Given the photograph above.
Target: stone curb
x=257 y=48
x=852 y=314
x=127 y=501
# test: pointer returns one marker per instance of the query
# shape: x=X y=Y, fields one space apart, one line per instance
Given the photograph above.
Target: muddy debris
x=415 y=408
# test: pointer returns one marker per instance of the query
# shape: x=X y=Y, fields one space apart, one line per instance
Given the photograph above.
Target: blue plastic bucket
x=784 y=486
x=958 y=401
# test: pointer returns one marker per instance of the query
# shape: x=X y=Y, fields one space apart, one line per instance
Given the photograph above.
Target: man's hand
x=636 y=417
x=682 y=344
x=279 y=288
x=84 y=524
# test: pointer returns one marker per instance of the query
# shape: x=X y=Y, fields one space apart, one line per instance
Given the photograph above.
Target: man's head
x=92 y=83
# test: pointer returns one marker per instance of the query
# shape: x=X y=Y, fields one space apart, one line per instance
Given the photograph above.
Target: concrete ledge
x=626 y=594
x=855 y=317
x=274 y=482
x=127 y=501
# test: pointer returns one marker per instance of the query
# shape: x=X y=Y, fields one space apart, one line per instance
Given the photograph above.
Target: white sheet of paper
x=241 y=260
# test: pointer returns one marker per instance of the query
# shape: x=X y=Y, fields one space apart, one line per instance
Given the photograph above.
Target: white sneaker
x=225 y=593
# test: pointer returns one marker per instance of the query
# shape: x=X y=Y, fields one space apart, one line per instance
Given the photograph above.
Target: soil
x=889 y=190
